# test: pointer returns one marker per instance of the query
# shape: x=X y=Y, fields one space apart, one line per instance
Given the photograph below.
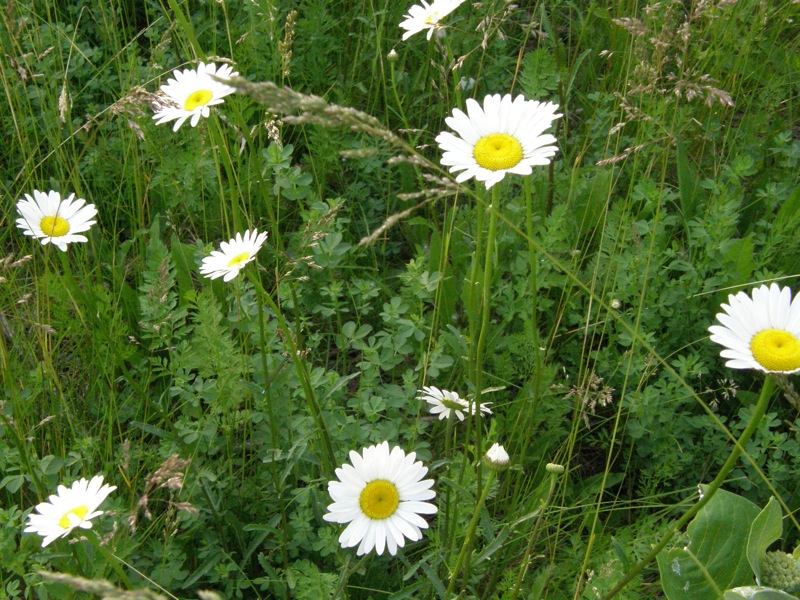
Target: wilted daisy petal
x=380 y=497
x=69 y=508
x=427 y=16
x=192 y=92
x=503 y=136
x=445 y=403
x=233 y=255
x=52 y=220
x=760 y=332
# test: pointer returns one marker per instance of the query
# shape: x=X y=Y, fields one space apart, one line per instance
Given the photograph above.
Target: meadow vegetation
x=573 y=303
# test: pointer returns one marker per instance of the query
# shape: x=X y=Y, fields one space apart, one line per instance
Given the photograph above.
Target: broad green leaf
x=767 y=528
x=715 y=557
x=757 y=593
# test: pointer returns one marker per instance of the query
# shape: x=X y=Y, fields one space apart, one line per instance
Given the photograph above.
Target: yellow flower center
x=379 y=500
x=432 y=18
x=776 y=350
x=54 y=226
x=198 y=98
x=497 y=151
x=239 y=259
x=65 y=522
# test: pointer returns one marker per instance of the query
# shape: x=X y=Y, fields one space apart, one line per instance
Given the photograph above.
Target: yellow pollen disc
x=79 y=512
x=432 y=19
x=198 y=98
x=54 y=226
x=497 y=151
x=379 y=500
x=239 y=259
x=776 y=350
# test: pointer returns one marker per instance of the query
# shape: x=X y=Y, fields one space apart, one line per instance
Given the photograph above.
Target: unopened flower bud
x=554 y=468
x=496 y=458
x=616 y=304
x=392 y=56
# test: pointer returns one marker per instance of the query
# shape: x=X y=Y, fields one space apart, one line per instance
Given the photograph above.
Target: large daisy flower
x=69 y=508
x=381 y=498
x=760 y=332
x=52 y=220
x=445 y=403
x=505 y=136
x=192 y=92
x=427 y=16
x=233 y=256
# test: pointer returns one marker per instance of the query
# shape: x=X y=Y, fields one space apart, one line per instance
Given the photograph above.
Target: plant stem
x=710 y=490
x=473 y=524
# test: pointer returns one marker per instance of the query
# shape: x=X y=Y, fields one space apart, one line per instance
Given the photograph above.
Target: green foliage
x=220 y=409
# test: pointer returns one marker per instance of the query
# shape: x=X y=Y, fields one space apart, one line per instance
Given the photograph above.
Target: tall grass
x=576 y=300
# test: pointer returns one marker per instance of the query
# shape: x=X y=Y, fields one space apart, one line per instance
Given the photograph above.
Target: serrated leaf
x=766 y=529
x=716 y=550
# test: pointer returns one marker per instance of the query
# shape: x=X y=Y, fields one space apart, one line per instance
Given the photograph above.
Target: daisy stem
x=328 y=457
x=109 y=557
x=710 y=490
x=473 y=524
x=523 y=567
x=485 y=308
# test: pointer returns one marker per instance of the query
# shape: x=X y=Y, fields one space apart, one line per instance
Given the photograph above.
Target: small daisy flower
x=69 y=508
x=505 y=136
x=192 y=92
x=381 y=497
x=233 y=256
x=445 y=403
x=427 y=16
x=52 y=220
x=760 y=332
x=496 y=458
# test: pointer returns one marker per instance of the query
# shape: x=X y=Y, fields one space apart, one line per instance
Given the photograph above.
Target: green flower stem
x=711 y=489
x=328 y=457
x=532 y=536
x=273 y=432
x=473 y=524
x=111 y=560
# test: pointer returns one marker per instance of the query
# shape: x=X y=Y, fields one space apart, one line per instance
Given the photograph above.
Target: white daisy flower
x=69 y=508
x=233 y=256
x=505 y=136
x=192 y=92
x=381 y=498
x=496 y=458
x=445 y=403
x=760 y=332
x=52 y=220
x=427 y=16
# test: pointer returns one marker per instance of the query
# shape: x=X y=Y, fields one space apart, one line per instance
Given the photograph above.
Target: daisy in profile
x=381 y=497
x=192 y=92
x=52 y=220
x=445 y=403
x=503 y=136
x=427 y=16
x=69 y=508
x=233 y=255
x=761 y=331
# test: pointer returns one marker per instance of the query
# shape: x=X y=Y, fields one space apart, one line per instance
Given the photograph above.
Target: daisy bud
x=496 y=458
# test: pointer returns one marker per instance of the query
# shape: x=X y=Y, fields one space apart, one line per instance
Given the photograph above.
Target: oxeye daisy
x=381 y=497
x=69 y=508
x=496 y=458
x=192 y=92
x=503 y=136
x=52 y=220
x=445 y=403
x=761 y=331
x=427 y=16
x=233 y=255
